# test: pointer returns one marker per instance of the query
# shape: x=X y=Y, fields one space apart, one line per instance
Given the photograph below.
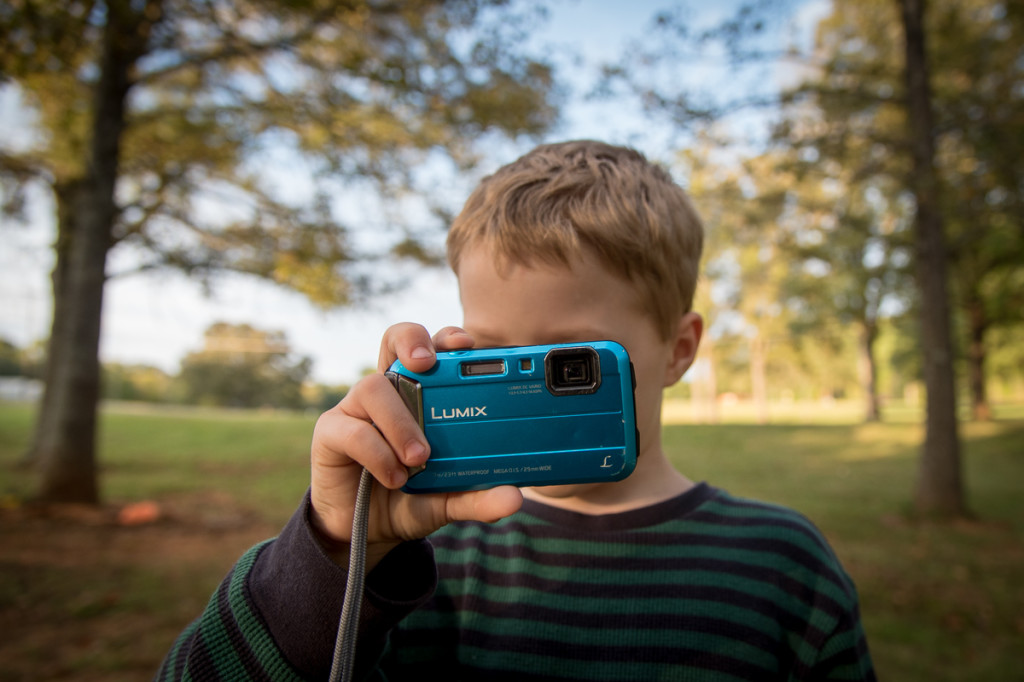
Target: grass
x=940 y=601
x=259 y=458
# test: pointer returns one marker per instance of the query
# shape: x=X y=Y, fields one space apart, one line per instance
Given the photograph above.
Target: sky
x=157 y=319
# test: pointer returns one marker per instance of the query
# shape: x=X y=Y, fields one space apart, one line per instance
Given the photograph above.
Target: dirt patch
x=89 y=593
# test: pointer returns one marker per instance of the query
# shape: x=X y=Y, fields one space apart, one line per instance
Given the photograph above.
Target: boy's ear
x=684 y=346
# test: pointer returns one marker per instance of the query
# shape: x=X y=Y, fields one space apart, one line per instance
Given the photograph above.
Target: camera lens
x=572 y=370
x=575 y=371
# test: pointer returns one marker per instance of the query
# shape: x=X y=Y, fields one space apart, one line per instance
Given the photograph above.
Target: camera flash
x=483 y=368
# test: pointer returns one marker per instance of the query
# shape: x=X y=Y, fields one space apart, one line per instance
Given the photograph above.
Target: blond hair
x=559 y=199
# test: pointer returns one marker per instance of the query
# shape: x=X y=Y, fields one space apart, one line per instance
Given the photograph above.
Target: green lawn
x=259 y=458
x=941 y=602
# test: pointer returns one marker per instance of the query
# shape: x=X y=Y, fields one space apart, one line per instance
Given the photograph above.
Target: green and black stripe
x=703 y=587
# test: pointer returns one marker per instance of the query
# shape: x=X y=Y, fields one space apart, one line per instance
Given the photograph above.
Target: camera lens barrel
x=572 y=371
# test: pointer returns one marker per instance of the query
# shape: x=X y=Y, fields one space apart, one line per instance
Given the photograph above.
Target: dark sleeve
x=275 y=616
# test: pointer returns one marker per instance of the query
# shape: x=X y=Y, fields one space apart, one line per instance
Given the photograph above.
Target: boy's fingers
x=409 y=343
x=372 y=426
x=420 y=515
x=341 y=441
x=452 y=338
x=391 y=417
x=412 y=344
x=484 y=505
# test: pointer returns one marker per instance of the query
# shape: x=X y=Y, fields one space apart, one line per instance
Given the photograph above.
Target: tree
x=873 y=100
x=749 y=209
x=857 y=94
x=887 y=106
x=939 y=488
x=241 y=366
x=848 y=235
x=979 y=94
x=755 y=236
x=160 y=123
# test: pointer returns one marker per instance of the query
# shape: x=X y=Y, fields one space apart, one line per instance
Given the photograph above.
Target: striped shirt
x=703 y=587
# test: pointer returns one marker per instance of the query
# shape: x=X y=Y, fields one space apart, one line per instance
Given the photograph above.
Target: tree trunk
x=868 y=371
x=939 y=488
x=63 y=190
x=65 y=449
x=978 y=325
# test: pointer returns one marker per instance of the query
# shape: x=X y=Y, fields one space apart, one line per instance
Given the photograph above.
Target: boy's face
x=543 y=304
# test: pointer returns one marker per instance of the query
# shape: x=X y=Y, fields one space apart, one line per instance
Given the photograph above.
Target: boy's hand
x=372 y=428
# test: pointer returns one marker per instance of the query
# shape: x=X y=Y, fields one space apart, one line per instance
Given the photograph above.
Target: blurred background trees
x=240 y=366
x=234 y=366
x=161 y=126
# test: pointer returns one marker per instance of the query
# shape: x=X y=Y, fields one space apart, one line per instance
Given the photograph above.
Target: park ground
x=100 y=593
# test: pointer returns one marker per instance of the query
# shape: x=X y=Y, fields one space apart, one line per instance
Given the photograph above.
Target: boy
x=652 y=577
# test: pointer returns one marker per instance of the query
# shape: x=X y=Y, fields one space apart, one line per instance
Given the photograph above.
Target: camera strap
x=348 y=624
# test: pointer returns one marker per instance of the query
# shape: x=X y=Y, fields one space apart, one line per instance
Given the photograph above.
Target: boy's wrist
x=339 y=551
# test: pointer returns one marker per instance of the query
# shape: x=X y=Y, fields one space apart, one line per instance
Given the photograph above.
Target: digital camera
x=524 y=416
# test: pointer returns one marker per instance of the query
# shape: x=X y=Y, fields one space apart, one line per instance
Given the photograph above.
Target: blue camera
x=524 y=416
